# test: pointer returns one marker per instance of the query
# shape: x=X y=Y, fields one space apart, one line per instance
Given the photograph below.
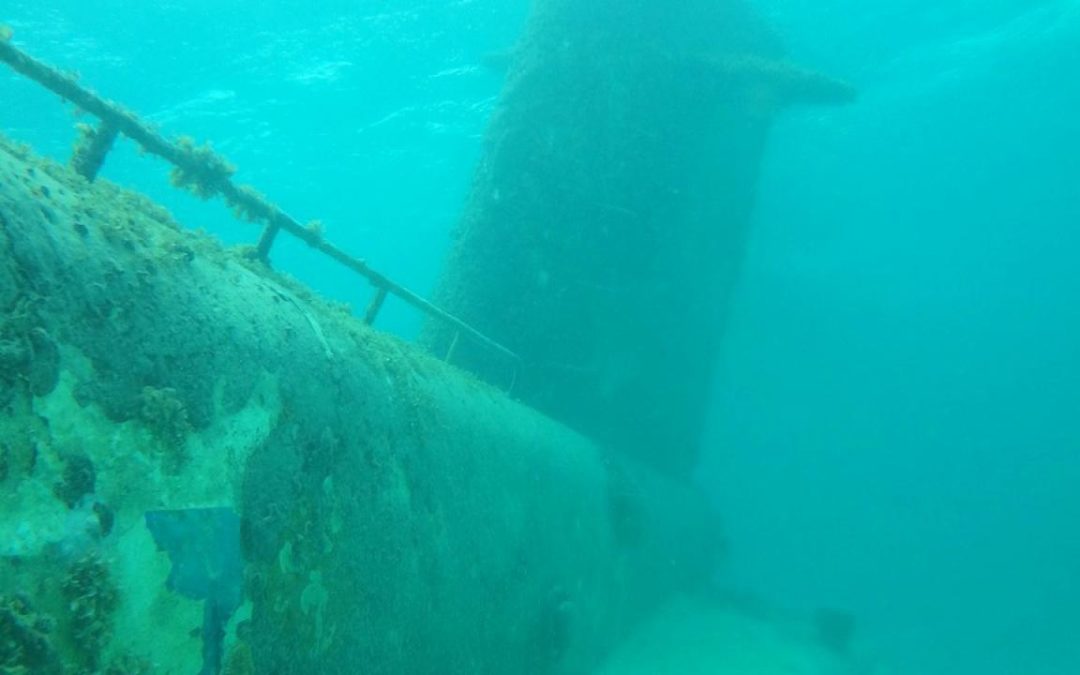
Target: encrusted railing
x=199 y=169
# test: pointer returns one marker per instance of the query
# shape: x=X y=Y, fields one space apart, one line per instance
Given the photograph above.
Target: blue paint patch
x=203 y=546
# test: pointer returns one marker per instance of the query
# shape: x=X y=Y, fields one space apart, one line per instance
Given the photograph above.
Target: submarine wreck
x=207 y=468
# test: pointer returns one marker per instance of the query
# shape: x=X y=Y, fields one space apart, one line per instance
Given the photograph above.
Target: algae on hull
x=83 y=460
x=392 y=508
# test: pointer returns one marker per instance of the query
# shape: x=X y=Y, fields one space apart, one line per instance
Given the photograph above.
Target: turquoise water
x=895 y=427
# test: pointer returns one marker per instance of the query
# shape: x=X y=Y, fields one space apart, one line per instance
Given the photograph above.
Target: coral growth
x=129 y=665
x=91 y=146
x=28 y=354
x=14 y=358
x=204 y=172
x=166 y=416
x=248 y=204
x=24 y=639
x=240 y=661
x=18 y=445
x=91 y=598
x=316 y=229
x=78 y=479
x=45 y=363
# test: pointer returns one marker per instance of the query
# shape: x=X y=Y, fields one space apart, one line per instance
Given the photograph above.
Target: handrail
x=208 y=174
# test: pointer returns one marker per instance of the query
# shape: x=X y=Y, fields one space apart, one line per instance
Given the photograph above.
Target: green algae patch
x=205 y=171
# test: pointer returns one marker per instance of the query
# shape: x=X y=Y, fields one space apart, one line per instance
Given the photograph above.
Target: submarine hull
x=396 y=515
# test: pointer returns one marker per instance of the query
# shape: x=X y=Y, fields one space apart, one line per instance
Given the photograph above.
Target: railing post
x=453 y=346
x=266 y=240
x=375 y=305
x=513 y=377
x=91 y=148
